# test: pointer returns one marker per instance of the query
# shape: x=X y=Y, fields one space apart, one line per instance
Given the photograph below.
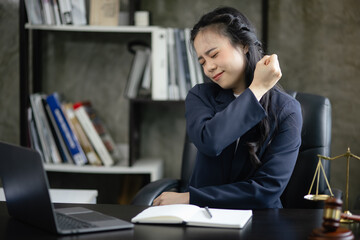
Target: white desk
x=67 y=196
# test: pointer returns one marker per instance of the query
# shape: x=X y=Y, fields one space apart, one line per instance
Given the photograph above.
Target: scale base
x=316 y=197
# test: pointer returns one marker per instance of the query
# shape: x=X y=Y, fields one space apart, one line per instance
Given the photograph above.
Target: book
x=92 y=134
x=38 y=127
x=65 y=11
x=191 y=58
x=137 y=70
x=180 y=71
x=48 y=146
x=192 y=215
x=102 y=131
x=34 y=11
x=174 y=93
x=197 y=67
x=80 y=134
x=104 y=12
x=68 y=135
x=78 y=12
x=145 y=86
x=55 y=7
x=159 y=84
x=49 y=137
x=48 y=12
x=34 y=137
x=181 y=36
x=64 y=152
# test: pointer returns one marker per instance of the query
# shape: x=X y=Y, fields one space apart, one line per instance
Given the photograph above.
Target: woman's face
x=223 y=63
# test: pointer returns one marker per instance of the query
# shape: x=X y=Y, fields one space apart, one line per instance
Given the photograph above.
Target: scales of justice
x=323 y=197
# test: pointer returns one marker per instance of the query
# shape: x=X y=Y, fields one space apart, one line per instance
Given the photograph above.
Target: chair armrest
x=148 y=193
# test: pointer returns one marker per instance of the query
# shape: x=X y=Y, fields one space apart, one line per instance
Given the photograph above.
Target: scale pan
x=319 y=197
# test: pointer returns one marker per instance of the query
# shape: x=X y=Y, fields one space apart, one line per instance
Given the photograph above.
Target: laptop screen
x=27 y=194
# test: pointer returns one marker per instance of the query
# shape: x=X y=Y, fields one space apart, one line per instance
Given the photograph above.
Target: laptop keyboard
x=66 y=222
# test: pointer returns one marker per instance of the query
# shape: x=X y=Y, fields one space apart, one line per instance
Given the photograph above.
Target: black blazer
x=223 y=178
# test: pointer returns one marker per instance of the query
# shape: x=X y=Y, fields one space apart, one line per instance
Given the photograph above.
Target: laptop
x=27 y=196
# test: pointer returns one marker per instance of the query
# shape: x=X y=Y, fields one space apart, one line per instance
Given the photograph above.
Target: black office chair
x=316 y=139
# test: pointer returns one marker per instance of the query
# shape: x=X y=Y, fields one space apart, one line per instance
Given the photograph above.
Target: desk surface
x=265 y=224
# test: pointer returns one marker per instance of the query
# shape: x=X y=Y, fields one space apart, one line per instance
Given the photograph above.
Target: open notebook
x=192 y=215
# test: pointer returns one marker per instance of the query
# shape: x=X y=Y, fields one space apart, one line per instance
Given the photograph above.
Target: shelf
x=148 y=100
x=87 y=28
x=154 y=167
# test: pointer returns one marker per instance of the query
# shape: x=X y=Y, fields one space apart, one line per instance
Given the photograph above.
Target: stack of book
x=73 y=12
x=69 y=133
x=179 y=63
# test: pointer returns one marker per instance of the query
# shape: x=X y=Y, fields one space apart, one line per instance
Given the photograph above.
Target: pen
x=208 y=212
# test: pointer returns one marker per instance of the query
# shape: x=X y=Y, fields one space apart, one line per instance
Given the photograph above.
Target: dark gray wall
x=318 y=47
x=316 y=40
x=9 y=71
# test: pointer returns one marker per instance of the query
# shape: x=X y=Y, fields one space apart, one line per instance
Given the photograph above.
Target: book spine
x=54 y=151
x=193 y=58
x=159 y=86
x=174 y=93
x=93 y=136
x=34 y=137
x=33 y=10
x=145 y=88
x=56 y=12
x=137 y=71
x=69 y=137
x=65 y=11
x=39 y=129
x=57 y=136
x=180 y=65
x=190 y=56
x=79 y=132
x=50 y=152
x=48 y=12
x=78 y=12
x=185 y=61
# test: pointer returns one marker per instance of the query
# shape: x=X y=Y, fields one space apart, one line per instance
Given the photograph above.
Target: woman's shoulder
x=208 y=88
x=207 y=91
x=284 y=102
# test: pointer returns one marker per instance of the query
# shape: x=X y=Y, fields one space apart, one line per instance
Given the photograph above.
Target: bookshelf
x=31 y=82
x=36 y=42
x=27 y=87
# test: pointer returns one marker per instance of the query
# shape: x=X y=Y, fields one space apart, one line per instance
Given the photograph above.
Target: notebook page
x=221 y=218
x=175 y=213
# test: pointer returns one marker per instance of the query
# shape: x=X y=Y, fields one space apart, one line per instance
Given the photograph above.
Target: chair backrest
x=188 y=163
x=316 y=139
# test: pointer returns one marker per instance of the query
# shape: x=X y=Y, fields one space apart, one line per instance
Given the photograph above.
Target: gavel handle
x=350 y=217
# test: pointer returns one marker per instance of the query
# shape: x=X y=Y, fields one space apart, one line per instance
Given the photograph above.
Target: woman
x=247 y=131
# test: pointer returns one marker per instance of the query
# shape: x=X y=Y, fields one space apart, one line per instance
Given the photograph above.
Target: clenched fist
x=267 y=74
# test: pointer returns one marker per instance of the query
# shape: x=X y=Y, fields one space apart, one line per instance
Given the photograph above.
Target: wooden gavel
x=331 y=223
x=332 y=214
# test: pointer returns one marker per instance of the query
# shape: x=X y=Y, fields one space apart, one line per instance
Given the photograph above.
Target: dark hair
x=232 y=24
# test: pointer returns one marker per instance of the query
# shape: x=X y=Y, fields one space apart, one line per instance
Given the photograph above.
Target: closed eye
x=214 y=55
